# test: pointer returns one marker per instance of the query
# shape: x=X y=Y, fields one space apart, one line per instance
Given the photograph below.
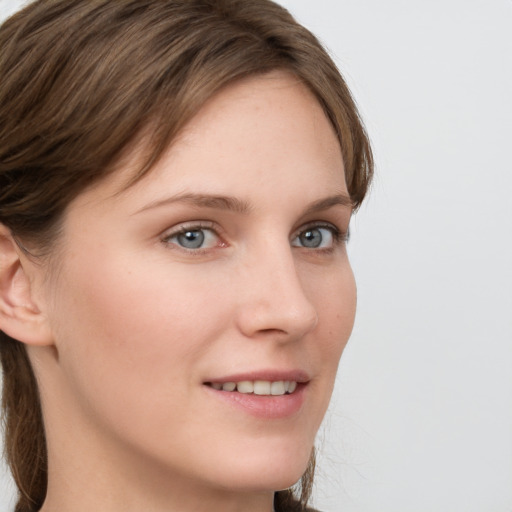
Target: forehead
x=261 y=132
x=257 y=114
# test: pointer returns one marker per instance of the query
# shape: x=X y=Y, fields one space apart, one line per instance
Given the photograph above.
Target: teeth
x=229 y=386
x=258 y=387
x=262 y=387
x=245 y=386
x=277 y=388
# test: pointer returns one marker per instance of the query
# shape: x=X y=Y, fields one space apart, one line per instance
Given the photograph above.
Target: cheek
x=131 y=346
x=130 y=331
x=334 y=296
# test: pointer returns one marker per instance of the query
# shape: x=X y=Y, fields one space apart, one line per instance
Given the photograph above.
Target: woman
x=176 y=184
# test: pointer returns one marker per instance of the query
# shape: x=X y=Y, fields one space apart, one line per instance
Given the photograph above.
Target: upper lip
x=266 y=375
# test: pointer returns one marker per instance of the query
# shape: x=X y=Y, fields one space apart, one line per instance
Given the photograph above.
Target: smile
x=257 y=387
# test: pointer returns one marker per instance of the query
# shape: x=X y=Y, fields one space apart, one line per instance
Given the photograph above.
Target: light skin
x=136 y=320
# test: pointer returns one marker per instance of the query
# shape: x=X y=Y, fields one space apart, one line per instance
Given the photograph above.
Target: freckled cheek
x=335 y=302
x=336 y=306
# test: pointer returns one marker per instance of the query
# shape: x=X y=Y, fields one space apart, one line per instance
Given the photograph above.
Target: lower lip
x=264 y=406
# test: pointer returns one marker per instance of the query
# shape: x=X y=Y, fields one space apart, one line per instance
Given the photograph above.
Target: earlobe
x=20 y=317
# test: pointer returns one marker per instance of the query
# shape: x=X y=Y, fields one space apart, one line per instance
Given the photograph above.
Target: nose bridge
x=275 y=300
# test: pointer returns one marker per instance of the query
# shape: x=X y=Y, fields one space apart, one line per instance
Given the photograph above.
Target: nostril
x=271 y=331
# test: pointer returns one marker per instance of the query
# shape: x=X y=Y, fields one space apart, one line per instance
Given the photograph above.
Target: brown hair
x=80 y=80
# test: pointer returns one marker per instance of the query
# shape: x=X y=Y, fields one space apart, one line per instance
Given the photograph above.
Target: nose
x=273 y=301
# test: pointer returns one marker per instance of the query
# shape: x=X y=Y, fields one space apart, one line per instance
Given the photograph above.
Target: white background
x=421 y=420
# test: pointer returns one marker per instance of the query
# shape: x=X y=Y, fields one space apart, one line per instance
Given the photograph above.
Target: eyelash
x=339 y=237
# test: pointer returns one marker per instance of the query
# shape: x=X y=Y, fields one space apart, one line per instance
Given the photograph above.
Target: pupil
x=191 y=239
x=311 y=238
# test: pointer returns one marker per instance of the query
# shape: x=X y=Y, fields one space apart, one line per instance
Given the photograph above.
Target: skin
x=136 y=323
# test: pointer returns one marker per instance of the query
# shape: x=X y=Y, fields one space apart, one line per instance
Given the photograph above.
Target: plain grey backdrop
x=421 y=419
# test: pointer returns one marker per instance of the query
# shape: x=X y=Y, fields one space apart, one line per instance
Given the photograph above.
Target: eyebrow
x=203 y=200
x=329 y=202
x=240 y=206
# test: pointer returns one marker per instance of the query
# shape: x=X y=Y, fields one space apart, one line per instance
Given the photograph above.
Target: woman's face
x=225 y=265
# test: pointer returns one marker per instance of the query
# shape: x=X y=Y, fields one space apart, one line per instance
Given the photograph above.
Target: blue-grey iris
x=191 y=239
x=311 y=238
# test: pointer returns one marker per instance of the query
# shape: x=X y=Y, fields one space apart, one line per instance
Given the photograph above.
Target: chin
x=270 y=479
x=266 y=470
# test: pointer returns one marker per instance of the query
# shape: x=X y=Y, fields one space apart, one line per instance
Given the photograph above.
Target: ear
x=20 y=317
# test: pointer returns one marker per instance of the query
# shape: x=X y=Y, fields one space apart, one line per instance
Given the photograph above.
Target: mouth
x=267 y=394
x=257 y=387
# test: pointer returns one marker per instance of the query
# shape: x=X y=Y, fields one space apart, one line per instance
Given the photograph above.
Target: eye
x=193 y=238
x=317 y=237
